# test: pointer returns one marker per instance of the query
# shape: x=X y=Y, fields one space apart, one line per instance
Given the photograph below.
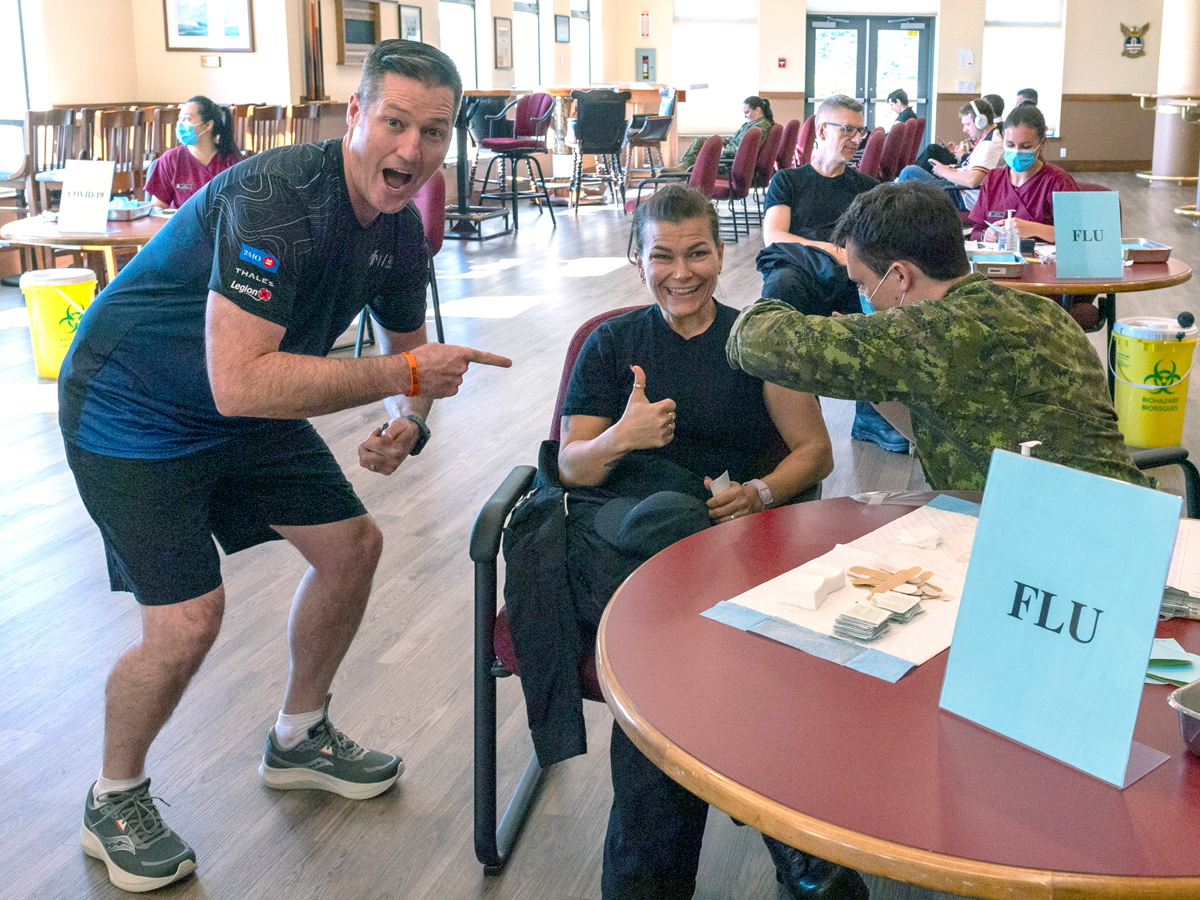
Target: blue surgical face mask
x=186 y=133
x=864 y=299
x=1020 y=160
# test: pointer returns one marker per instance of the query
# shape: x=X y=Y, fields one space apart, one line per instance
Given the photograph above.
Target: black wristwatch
x=423 y=439
x=423 y=430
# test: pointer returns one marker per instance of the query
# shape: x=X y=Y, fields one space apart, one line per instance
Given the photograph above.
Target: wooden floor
x=406 y=684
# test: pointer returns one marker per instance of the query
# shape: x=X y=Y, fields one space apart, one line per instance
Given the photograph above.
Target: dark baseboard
x=1103 y=165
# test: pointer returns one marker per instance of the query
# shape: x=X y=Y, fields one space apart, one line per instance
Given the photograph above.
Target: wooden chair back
x=241 y=119
x=122 y=134
x=302 y=124
x=162 y=132
x=266 y=128
x=49 y=143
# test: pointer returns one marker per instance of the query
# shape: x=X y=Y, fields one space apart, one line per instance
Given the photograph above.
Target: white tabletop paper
x=925 y=636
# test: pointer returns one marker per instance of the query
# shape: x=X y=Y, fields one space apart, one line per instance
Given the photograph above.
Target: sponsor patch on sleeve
x=259 y=258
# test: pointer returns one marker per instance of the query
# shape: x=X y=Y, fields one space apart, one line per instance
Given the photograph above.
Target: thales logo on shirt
x=259 y=258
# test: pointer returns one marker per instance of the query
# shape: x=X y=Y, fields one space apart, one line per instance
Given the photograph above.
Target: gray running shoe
x=327 y=760
x=125 y=832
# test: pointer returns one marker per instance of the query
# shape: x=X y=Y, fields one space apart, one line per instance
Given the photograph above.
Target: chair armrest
x=501 y=113
x=544 y=117
x=489 y=524
x=1154 y=457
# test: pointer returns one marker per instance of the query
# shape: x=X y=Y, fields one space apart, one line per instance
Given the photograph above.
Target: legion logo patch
x=259 y=258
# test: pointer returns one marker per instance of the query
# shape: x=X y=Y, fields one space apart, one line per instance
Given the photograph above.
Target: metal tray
x=132 y=212
x=1186 y=701
x=1144 y=250
x=997 y=265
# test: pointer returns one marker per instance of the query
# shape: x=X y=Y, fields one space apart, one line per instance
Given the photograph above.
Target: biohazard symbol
x=71 y=320
x=1163 y=374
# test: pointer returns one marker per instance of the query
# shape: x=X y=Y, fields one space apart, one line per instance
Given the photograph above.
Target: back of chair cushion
x=431 y=204
x=764 y=167
x=786 y=157
x=808 y=134
x=872 y=153
x=573 y=348
x=708 y=161
x=742 y=171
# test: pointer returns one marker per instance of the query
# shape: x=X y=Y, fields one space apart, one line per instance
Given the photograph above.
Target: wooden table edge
x=1083 y=287
x=938 y=871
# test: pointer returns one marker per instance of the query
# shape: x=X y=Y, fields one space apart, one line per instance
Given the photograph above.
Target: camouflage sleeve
x=877 y=357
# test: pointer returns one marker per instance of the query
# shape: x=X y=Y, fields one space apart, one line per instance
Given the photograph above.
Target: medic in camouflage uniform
x=979 y=366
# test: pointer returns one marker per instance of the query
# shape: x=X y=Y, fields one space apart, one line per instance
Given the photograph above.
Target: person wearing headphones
x=963 y=181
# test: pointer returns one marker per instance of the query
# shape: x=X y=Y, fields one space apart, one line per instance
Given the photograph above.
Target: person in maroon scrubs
x=206 y=148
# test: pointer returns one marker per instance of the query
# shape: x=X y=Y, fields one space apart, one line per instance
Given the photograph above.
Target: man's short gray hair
x=837 y=101
x=409 y=59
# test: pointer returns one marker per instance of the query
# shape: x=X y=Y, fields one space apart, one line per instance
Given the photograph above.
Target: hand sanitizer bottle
x=1010 y=240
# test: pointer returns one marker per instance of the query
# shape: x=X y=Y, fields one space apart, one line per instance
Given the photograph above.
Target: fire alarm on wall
x=782 y=62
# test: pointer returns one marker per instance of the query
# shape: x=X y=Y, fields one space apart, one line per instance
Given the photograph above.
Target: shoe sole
x=306 y=779
x=127 y=881
x=868 y=438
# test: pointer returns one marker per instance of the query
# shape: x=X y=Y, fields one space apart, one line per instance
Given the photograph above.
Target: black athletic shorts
x=158 y=517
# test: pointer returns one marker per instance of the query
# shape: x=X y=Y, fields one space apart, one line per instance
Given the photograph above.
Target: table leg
x=464 y=226
x=1108 y=312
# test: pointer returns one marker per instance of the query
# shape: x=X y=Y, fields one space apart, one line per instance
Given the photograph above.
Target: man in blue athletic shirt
x=183 y=408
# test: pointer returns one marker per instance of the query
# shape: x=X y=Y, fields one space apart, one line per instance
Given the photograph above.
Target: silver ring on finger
x=372 y=467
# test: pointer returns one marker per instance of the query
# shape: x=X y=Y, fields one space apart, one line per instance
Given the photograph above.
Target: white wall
x=272 y=74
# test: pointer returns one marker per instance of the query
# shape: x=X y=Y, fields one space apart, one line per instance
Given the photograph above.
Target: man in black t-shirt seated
x=799 y=265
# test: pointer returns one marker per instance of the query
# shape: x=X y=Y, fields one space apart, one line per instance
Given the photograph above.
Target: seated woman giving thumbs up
x=653 y=415
x=653 y=385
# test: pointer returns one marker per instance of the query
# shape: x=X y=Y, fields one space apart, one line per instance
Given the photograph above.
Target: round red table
x=866 y=773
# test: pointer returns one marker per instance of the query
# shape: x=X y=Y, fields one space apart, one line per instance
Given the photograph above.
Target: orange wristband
x=412 y=372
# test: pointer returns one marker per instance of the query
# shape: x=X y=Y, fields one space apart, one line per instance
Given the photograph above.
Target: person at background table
x=976 y=116
x=898 y=101
x=758 y=115
x=206 y=148
x=979 y=366
x=1027 y=95
x=1026 y=185
x=652 y=395
x=996 y=102
x=183 y=403
x=954 y=154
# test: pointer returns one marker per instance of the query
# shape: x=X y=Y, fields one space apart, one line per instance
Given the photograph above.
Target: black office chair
x=600 y=127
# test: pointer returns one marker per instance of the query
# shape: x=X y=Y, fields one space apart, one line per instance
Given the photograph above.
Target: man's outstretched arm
x=251 y=376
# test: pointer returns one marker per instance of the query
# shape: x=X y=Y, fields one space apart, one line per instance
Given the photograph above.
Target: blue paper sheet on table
x=824 y=646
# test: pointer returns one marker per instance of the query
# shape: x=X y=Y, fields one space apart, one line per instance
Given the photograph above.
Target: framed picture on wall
x=209 y=25
x=503 y=29
x=562 y=29
x=410 y=23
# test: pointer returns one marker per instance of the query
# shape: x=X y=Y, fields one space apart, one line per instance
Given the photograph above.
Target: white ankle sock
x=292 y=729
x=113 y=785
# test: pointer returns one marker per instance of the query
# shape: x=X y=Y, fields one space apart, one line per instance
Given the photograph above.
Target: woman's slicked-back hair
x=756 y=102
x=1027 y=114
x=410 y=59
x=909 y=221
x=675 y=203
x=222 y=120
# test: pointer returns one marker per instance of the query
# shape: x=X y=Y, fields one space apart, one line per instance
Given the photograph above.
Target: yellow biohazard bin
x=56 y=299
x=1151 y=364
